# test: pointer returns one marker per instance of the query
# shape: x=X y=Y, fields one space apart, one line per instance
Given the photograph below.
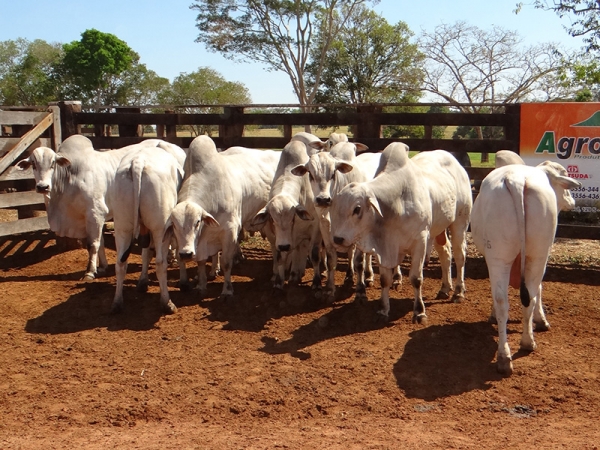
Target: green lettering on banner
x=546 y=144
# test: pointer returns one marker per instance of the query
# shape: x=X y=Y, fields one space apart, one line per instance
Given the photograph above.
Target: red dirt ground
x=266 y=373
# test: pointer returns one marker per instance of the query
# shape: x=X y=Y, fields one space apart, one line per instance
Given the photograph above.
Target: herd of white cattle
x=310 y=200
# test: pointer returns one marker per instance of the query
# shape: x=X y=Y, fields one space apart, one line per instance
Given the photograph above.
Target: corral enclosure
x=265 y=372
x=288 y=371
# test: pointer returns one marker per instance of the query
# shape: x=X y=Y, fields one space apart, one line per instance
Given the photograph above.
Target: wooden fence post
x=512 y=132
x=367 y=127
x=130 y=130
x=68 y=124
x=234 y=129
x=171 y=130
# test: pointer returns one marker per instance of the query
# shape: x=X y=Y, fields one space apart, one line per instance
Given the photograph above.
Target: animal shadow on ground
x=343 y=320
x=90 y=308
x=447 y=360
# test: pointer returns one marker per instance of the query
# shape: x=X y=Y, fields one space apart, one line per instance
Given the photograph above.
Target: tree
x=204 y=87
x=369 y=61
x=276 y=33
x=584 y=15
x=94 y=64
x=28 y=72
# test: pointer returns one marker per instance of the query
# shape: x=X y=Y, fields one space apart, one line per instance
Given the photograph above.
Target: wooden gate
x=20 y=132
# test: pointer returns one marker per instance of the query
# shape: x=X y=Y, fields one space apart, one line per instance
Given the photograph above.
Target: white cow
x=506 y=157
x=292 y=216
x=147 y=181
x=329 y=172
x=513 y=225
x=77 y=184
x=220 y=194
x=308 y=139
x=397 y=211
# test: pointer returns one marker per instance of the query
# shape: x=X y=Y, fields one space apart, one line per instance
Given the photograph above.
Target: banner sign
x=569 y=134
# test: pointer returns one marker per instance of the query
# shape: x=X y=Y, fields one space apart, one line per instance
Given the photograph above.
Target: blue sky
x=163 y=32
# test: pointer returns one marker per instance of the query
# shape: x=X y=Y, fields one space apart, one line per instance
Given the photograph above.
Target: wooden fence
x=366 y=122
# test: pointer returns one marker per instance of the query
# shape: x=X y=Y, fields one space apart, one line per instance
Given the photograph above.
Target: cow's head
x=561 y=183
x=321 y=169
x=186 y=222
x=282 y=211
x=43 y=161
x=354 y=213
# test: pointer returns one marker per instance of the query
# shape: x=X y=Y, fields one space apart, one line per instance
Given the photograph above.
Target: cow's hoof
x=420 y=319
x=361 y=298
x=527 y=346
x=381 y=317
x=349 y=280
x=542 y=326
x=329 y=296
x=277 y=291
x=116 y=308
x=458 y=298
x=369 y=283
x=169 y=308
x=101 y=271
x=318 y=294
x=493 y=320
x=441 y=295
x=89 y=276
x=142 y=286
x=504 y=366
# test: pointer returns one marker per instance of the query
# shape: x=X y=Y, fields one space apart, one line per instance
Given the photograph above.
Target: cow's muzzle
x=42 y=188
x=323 y=201
x=284 y=248
x=186 y=256
x=338 y=240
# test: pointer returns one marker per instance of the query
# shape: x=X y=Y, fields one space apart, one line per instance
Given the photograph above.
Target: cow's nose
x=41 y=187
x=338 y=240
x=284 y=248
x=185 y=255
x=323 y=201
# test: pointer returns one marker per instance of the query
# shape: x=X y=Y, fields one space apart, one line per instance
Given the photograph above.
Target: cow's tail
x=137 y=169
x=517 y=192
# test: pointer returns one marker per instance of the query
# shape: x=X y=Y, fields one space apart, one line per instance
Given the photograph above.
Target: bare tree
x=465 y=64
x=276 y=33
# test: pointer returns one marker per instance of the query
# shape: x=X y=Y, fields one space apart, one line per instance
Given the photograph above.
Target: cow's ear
x=62 y=161
x=360 y=148
x=168 y=233
x=343 y=167
x=259 y=219
x=299 y=170
x=567 y=182
x=375 y=204
x=209 y=220
x=317 y=145
x=303 y=213
x=24 y=164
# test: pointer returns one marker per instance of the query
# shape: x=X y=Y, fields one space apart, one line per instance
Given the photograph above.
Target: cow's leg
x=415 y=276
x=123 y=243
x=142 y=284
x=94 y=238
x=331 y=266
x=161 y=261
x=385 y=277
x=443 y=248
x=299 y=255
x=458 y=237
x=315 y=259
x=227 y=256
x=102 y=261
x=202 y=279
x=539 y=317
x=534 y=272
x=499 y=274
x=397 y=283
x=349 y=278
x=215 y=267
x=361 y=286
x=369 y=272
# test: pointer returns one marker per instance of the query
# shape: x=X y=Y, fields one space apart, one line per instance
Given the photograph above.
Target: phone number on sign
x=588 y=195
x=585 y=209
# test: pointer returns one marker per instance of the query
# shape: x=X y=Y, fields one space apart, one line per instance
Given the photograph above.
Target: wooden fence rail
x=367 y=123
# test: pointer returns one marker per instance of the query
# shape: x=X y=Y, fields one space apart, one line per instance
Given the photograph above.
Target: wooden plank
x=577 y=231
x=21 y=117
x=25 y=142
x=13 y=174
x=16 y=199
x=24 y=226
x=56 y=127
x=8 y=143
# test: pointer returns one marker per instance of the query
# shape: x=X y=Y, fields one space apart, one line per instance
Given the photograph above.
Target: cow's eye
x=310 y=177
x=333 y=174
x=53 y=164
x=356 y=211
x=197 y=223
